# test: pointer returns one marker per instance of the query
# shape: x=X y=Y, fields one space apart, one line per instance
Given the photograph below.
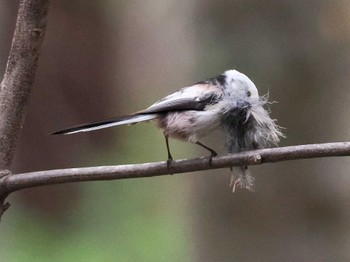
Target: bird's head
x=240 y=87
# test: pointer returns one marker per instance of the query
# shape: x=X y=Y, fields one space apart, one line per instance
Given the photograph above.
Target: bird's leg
x=212 y=151
x=170 y=157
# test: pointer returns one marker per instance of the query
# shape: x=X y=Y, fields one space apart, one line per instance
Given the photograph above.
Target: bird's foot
x=213 y=154
x=168 y=163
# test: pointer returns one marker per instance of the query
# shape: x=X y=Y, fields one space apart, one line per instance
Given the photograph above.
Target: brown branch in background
x=18 y=80
x=19 y=76
x=13 y=183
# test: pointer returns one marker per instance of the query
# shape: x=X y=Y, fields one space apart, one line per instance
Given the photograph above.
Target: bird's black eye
x=249 y=94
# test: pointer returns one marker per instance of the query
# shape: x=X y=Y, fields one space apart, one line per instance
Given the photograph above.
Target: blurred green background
x=107 y=58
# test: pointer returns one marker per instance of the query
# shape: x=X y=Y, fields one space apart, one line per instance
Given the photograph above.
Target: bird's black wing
x=189 y=98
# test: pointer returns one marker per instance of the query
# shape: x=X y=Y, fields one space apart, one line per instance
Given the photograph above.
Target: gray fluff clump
x=249 y=128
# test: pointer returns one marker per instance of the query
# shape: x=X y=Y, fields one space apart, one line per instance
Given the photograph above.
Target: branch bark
x=11 y=183
x=18 y=80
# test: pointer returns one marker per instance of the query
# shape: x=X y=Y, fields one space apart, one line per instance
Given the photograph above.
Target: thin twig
x=16 y=182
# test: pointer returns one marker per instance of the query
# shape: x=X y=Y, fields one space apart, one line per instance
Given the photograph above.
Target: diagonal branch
x=18 y=80
x=11 y=183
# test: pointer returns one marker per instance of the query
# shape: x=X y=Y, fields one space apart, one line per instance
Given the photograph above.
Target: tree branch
x=18 y=80
x=11 y=183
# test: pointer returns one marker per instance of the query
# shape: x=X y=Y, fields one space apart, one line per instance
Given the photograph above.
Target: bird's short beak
x=242 y=104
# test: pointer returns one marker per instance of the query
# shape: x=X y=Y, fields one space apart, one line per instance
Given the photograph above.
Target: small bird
x=230 y=102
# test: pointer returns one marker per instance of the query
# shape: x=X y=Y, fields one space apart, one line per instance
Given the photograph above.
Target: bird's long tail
x=122 y=120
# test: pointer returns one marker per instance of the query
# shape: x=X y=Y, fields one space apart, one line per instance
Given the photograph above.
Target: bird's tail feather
x=122 y=120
